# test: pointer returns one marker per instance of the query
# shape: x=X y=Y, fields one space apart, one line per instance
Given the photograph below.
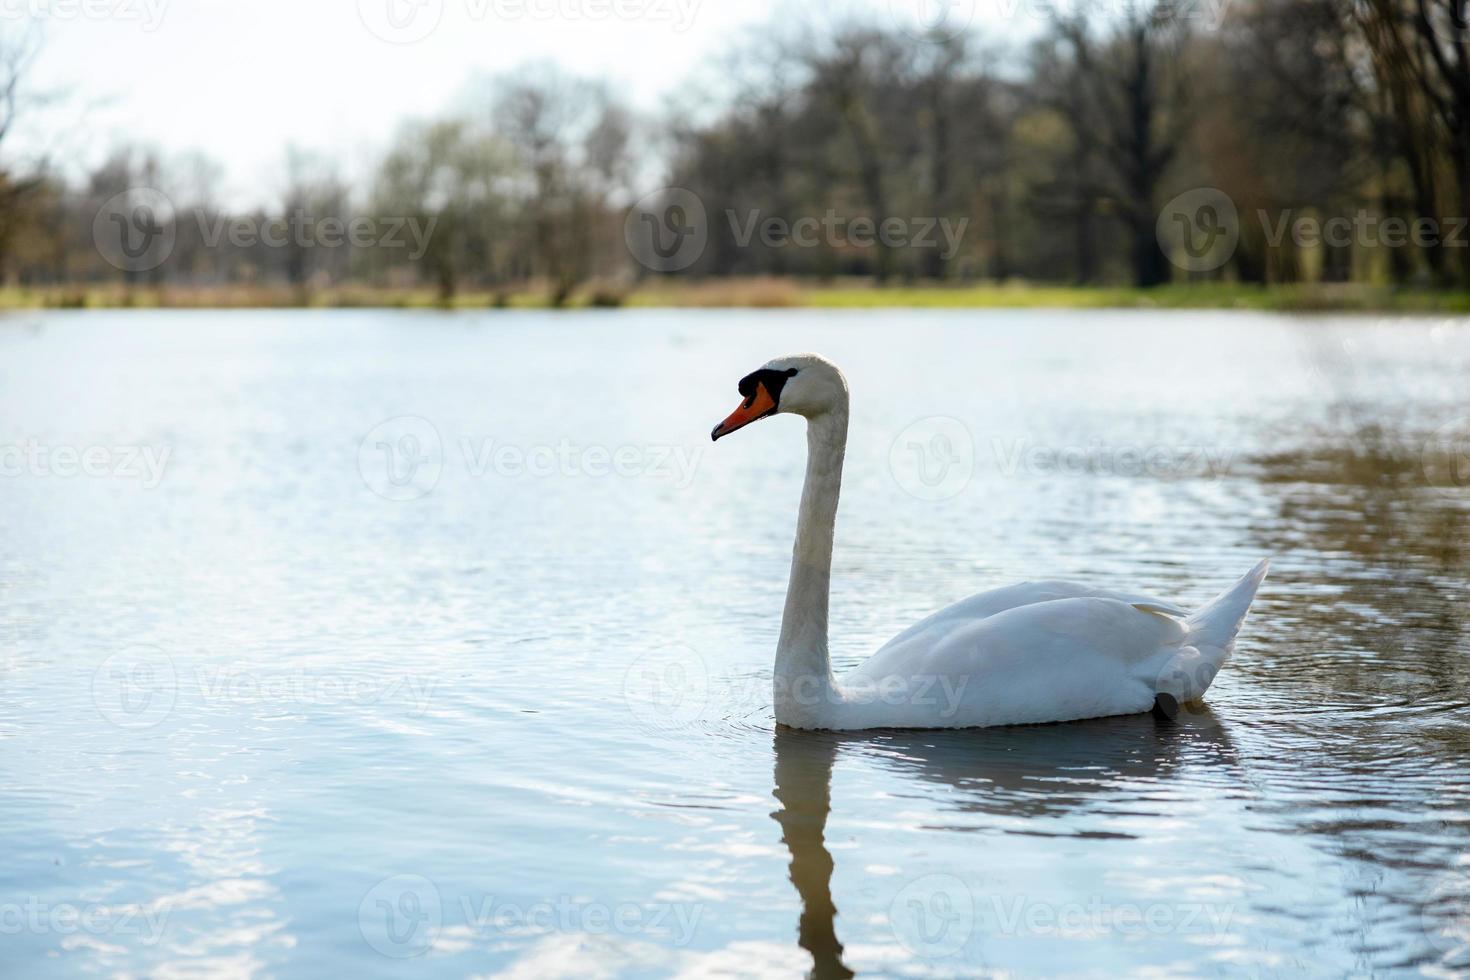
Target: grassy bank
x=762 y=293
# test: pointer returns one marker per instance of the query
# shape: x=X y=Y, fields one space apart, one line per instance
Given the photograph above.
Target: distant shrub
x=607 y=295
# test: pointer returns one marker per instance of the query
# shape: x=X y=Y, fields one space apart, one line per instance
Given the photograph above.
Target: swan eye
x=773 y=381
x=760 y=393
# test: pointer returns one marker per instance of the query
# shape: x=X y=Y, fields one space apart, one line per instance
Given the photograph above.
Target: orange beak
x=757 y=406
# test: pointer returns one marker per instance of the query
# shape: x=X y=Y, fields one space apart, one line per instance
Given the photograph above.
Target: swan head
x=808 y=385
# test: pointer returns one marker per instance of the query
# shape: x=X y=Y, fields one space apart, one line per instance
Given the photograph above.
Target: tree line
x=1329 y=139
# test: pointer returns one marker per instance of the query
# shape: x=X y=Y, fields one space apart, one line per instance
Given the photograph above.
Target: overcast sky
x=240 y=79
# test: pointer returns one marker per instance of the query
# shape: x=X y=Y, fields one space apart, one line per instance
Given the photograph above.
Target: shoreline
x=761 y=294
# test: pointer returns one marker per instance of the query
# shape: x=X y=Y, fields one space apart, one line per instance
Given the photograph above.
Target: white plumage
x=1035 y=652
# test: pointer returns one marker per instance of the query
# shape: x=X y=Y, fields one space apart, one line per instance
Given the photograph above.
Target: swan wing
x=983 y=605
x=1044 y=652
x=1050 y=660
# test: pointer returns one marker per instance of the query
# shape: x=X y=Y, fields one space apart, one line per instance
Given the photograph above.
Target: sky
x=240 y=80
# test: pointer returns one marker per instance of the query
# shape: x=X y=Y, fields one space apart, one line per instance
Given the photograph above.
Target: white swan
x=1035 y=652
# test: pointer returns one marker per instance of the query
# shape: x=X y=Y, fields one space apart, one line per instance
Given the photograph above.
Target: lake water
x=402 y=644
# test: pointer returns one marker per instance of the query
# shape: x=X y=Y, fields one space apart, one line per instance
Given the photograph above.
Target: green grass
x=1206 y=296
x=766 y=293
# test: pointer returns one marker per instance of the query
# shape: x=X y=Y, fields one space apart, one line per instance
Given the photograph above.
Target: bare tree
x=446 y=176
x=1289 y=123
x=313 y=195
x=1073 y=190
x=1422 y=52
x=941 y=90
x=572 y=142
x=856 y=76
x=1131 y=79
x=18 y=49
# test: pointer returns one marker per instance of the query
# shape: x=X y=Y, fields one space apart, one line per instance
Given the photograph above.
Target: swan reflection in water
x=1033 y=771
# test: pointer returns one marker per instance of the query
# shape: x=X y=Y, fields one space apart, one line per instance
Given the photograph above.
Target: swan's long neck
x=804 y=685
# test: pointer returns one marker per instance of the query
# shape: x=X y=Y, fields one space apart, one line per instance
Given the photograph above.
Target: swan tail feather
x=1209 y=638
x=1212 y=628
